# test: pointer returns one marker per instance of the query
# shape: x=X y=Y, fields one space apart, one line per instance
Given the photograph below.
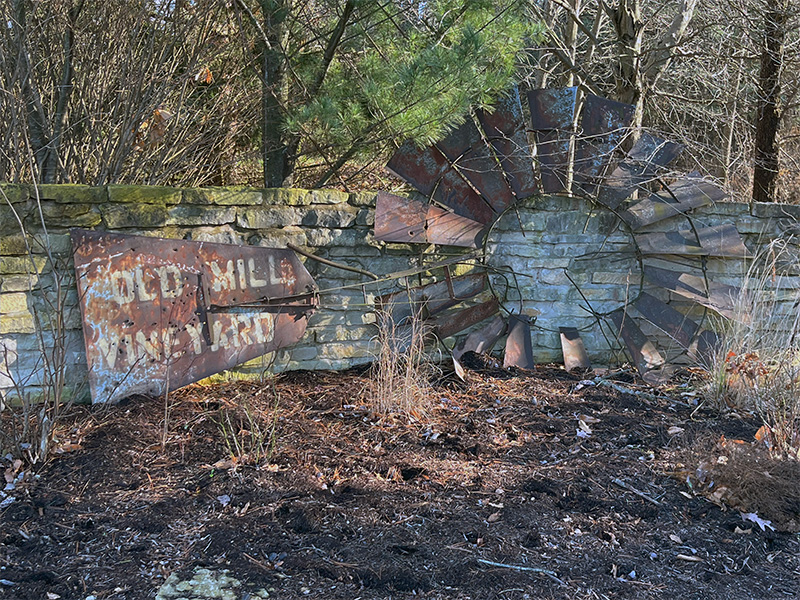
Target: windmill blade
x=450 y=323
x=681 y=197
x=552 y=118
x=675 y=324
x=605 y=124
x=433 y=298
x=482 y=339
x=519 y=352
x=573 y=350
x=721 y=241
x=408 y=221
x=643 y=352
x=716 y=296
x=504 y=127
x=648 y=156
x=429 y=171
x=466 y=150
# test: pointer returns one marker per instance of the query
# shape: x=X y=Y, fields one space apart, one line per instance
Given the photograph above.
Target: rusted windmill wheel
x=571 y=145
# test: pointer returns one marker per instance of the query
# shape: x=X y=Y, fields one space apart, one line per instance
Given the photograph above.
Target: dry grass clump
x=757 y=365
x=748 y=478
x=400 y=378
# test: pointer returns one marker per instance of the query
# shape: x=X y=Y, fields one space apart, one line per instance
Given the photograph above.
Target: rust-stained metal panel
x=604 y=125
x=472 y=158
x=429 y=171
x=717 y=296
x=722 y=241
x=450 y=323
x=400 y=219
x=572 y=348
x=648 y=155
x=681 y=197
x=552 y=108
x=433 y=298
x=504 y=127
x=410 y=221
x=552 y=116
x=450 y=229
x=519 y=352
x=643 y=352
x=160 y=314
x=676 y=325
x=482 y=339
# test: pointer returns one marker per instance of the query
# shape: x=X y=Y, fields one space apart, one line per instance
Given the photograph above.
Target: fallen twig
x=550 y=574
x=632 y=489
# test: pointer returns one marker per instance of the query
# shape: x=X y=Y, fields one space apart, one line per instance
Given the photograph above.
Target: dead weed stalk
x=249 y=426
x=401 y=373
x=757 y=365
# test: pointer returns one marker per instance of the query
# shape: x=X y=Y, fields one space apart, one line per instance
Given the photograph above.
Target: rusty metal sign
x=159 y=314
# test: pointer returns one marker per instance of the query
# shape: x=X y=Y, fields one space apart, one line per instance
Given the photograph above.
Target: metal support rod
x=331 y=263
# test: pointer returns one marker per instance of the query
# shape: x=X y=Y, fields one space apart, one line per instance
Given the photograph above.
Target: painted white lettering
x=108 y=350
x=167 y=290
x=223 y=280
x=122 y=286
x=219 y=339
x=148 y=346
x=254 y=280
x=141 y=287
x=244 y=333
x=242 y=274
x=196 y=334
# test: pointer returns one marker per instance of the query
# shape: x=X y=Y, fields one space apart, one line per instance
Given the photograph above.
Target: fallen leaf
x=588 y=419
x=762 y=523
x=675 y=430
x=743 y=531
x=675 y=538
x=494 y=517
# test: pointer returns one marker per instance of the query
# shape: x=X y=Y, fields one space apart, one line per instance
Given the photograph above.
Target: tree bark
x=768 y=116
x=274 y=151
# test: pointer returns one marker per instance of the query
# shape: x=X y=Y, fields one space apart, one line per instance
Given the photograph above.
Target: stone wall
x=543 y=242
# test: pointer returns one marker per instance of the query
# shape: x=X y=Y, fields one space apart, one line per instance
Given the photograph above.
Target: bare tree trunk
x=765 y=174
x=274 y=151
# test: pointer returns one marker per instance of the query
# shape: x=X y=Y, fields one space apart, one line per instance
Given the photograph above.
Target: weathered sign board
x=159 y=314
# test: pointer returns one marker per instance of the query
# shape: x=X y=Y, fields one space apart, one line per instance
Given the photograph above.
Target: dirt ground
x=516 y=485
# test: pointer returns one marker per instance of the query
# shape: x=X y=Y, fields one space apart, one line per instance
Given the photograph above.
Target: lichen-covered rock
x=207 y=584
x=126 y=216
x=143 y=194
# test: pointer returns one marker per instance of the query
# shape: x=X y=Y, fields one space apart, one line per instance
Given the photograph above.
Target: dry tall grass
x=401 y=373
x=757 y=365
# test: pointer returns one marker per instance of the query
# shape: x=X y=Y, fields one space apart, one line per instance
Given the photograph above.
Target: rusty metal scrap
x=427 y=300
x=643 y=352
x=605 y=124
x=552 y=118
x=717 y=296
x=405 y=220
x=470 y=155
x=160 y=314
x=504 y=126
x=451 y=323
x=575 y=356
x=519 y=351
x=481 y=340
x=721 y=241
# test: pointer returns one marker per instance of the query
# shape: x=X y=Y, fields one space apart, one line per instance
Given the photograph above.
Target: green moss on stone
x=123 y=216
x=143 y=194
x=69 y=193
x=13 y=193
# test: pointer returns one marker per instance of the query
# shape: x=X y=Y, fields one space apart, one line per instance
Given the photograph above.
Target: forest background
x=273 y=93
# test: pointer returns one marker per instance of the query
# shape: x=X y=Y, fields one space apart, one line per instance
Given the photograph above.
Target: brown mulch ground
x=350 y=506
